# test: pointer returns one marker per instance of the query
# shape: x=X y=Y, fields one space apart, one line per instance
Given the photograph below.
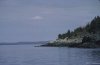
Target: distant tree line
x=92 y=27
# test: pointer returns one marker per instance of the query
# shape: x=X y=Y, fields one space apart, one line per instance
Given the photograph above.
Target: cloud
x=37 y=17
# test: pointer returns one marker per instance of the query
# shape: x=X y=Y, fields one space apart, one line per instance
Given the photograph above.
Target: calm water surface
x=30 y=55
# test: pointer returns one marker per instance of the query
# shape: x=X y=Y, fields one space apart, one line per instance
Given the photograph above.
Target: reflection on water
x=30 y=55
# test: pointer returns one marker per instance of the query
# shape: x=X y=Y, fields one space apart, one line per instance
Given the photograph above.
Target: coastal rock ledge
x=79 y=43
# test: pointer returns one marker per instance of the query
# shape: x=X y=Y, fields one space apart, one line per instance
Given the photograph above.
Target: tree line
x=92 y=28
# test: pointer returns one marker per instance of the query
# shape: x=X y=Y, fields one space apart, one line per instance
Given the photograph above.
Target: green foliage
x=91 y=27
x=86 y=39
x=79 y=29
x=95 y=25
x=63 y=36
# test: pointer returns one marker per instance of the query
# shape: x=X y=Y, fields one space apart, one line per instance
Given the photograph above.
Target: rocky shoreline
x=77 y=45
x=85 y=42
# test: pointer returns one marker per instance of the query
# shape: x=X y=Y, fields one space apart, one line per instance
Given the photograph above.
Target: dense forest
x=91 y=28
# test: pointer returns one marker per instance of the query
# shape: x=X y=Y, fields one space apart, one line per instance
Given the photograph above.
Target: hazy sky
x=40 y=20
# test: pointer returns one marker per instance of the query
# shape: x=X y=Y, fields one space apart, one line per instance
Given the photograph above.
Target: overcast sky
x=41 y=20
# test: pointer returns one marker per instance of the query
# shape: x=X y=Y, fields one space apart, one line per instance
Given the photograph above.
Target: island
x=87 y=36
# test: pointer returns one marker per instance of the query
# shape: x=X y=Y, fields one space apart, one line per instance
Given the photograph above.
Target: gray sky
x=41 y=20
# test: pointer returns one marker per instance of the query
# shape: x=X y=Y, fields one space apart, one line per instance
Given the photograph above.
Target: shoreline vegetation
x=87 y=36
